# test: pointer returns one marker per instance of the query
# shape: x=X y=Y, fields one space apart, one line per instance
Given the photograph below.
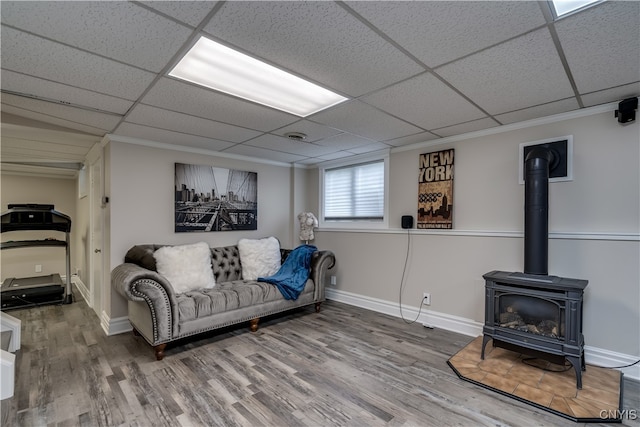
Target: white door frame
x=96 y=243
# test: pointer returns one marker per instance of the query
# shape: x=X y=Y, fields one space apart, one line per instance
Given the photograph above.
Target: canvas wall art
x=435 y=190
x=208 y=198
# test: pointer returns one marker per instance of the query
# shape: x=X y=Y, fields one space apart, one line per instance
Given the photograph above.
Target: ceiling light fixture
x=219 y=67
x=564 y=7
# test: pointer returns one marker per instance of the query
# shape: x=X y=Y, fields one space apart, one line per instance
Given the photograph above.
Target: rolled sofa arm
x=142 y=286
x=321 y=262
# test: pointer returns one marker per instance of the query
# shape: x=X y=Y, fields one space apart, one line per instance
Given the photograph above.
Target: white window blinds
x=354 y=192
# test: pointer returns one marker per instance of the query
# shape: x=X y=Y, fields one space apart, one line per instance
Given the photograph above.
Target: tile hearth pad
x=542 y=384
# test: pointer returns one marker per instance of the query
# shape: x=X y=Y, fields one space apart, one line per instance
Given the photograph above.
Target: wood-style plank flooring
x=345 y=366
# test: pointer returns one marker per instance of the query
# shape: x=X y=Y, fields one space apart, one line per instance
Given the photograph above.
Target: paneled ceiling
x=412 y=71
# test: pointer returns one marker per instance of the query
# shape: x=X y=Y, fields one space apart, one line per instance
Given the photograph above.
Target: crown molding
x=162 y=145
x=583 y=112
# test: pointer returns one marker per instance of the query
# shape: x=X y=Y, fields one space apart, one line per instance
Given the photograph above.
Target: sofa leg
x=160 y=351
x=254 y=324
x=318 y=304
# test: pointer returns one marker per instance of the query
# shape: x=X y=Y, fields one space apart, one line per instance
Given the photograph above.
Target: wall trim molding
x=611 y=359
x=593 y=355
x=82 y=288
x=553 y=235
x=115 y=326
x=583 y=112
x=165 y=146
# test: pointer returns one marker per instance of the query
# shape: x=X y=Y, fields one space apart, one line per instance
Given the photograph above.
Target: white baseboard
x=593 y=355
x=118 y=325
x=608 y=359
x=427 y=317
x=110 y=326
x=82 y=288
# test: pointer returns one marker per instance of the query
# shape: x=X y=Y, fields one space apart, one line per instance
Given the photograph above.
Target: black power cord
x=619 y=367
x=527 y=361
x=568 y=365
x=404 y=269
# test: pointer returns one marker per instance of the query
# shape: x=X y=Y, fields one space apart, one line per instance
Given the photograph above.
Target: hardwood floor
x=344 y=366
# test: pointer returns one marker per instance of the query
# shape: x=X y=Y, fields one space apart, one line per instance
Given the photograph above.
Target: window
x=355 y=193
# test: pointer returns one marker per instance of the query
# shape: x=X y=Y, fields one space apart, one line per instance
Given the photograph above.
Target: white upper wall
x=594 y=224
x=141 y=207
x=603 y=196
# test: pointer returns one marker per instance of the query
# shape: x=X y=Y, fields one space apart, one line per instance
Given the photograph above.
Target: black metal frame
x=33 y=217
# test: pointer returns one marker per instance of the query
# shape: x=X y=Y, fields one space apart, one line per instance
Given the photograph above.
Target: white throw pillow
x=187 y=267
x=259 y=257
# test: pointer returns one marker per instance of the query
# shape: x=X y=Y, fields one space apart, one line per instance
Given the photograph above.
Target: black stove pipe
x=536 y=211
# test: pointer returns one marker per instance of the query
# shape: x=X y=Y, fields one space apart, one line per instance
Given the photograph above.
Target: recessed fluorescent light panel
x=563 y=7
x=218 y=67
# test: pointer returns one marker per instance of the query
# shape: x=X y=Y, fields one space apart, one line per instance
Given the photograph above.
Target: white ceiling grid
x=413 y=71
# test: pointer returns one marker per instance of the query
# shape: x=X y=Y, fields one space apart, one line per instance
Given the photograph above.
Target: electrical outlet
x=333 y=281
x=426 y=298
x=38 y=268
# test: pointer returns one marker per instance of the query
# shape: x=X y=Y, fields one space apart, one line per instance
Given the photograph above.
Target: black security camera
x=626 y=111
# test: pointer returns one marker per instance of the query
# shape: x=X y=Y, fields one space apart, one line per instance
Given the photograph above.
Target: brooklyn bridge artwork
x=215 y=199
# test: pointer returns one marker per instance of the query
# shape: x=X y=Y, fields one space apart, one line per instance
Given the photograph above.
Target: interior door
x=95 y=242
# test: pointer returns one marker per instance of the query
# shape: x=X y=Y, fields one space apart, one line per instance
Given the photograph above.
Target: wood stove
x=531 y=312
x=540 y=316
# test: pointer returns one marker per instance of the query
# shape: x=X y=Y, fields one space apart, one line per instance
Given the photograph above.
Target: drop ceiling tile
x=539 y=111
x=309 y=161
x=602 y=45
x=261 y=153
x=183 y=123
x=336 y=155
x=169 y=137
x=344 y=141
x=69 y=125
x=35 y=56
x=106 y=122
x=174 y=95
x=319 y=40
x=273 y=142
x=412 y=139
x=189 y=12
x=43 y=146
x=314 y=131
x=362 y=119
x=516 y=74
x=369 y=148
x=426 y=102
x=466 y=127
x=111 y=29
x=27 y=154
x=17 y=129
x=611 y=95
x=437 y=32
x=22 y=83
x=46 y=172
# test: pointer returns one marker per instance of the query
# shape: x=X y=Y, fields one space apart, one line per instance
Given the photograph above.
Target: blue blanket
x=293 y=273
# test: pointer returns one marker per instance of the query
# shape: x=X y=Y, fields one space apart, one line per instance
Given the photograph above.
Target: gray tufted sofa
x=162 y=316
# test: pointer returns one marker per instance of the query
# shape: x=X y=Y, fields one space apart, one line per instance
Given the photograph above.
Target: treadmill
x=40 y=290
